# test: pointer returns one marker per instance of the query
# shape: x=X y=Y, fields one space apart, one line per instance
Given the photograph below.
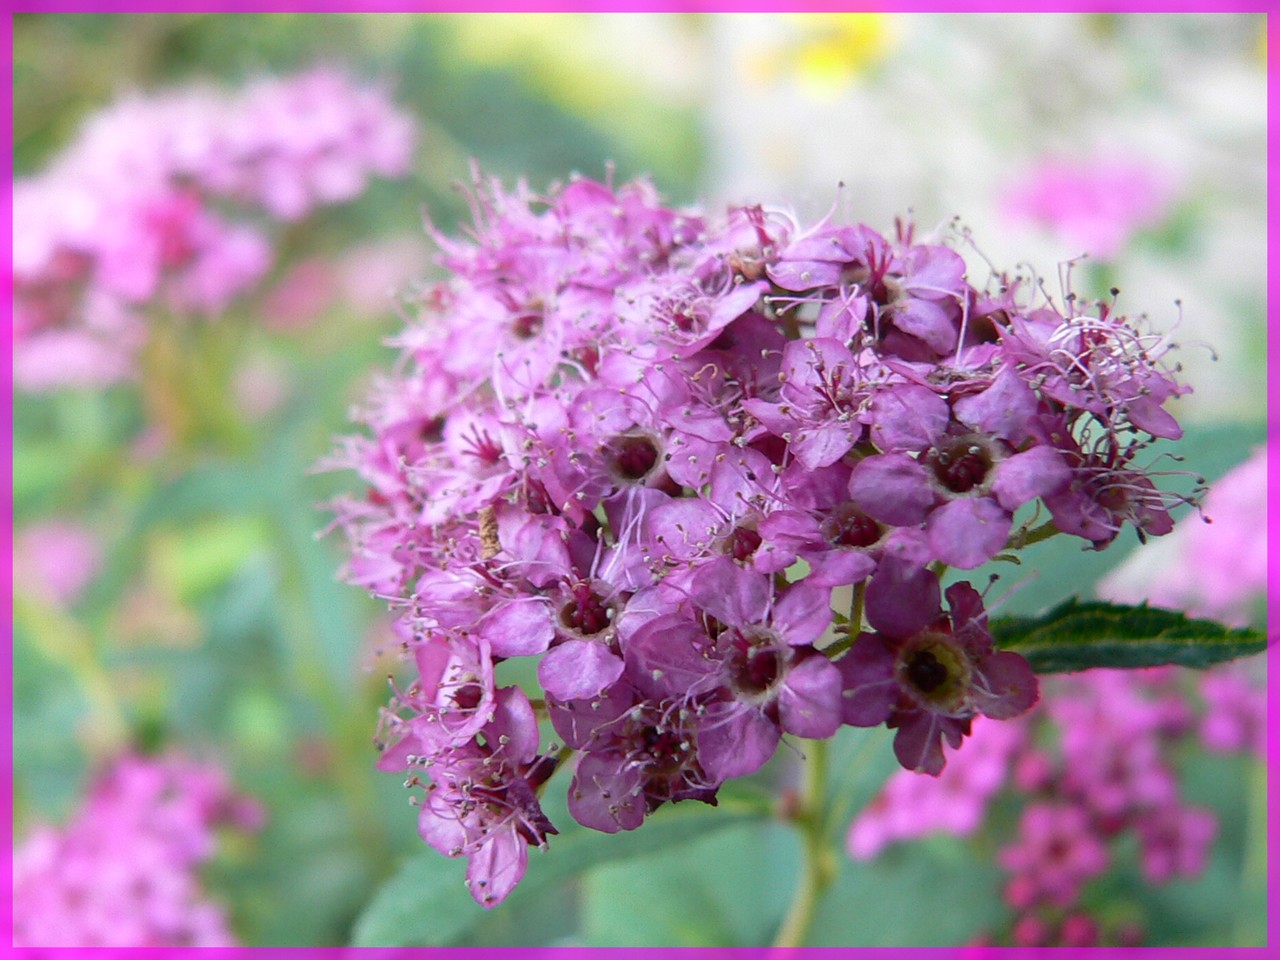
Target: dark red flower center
x=961 y=464
x=926 y=672
x=585 y=612
x=850 y=527
x=526 y=326
x=633 y=458
x=935 y=670
x=755 y=665
x=743 y=543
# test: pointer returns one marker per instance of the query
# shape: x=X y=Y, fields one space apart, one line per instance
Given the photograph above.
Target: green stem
x=64 y=641
x=1042 y=532
x=1250 y=926
x=853 y=627
x=819 y=867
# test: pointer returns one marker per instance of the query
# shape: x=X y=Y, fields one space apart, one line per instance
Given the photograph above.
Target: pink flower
x=1235 y=717
x=955 y=802
x=122 y=873
x=1175 y=842
x=481 y=801
x=147 y=209
x=56 y=560
x=1096 y=205
x=1215 y=569
x=640 y=446
x=1057 y=852
x=926 y=673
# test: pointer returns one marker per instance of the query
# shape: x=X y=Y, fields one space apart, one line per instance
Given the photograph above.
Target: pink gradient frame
x=10 y=8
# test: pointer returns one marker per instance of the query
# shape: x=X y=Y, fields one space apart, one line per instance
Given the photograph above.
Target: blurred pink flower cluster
x=1092 y=763
x=1216 y=569
x=163 y=200
x=55 y=560
x=1095 y=206
x=123 y=871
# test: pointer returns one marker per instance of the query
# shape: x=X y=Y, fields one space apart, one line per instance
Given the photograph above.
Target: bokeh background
x=209 y=616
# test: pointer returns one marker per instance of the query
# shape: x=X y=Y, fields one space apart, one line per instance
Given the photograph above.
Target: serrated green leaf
x=427 y=904
x=1079 y=636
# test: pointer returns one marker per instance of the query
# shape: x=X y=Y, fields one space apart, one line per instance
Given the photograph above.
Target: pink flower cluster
x=1093 y=763
x=56 y=560
x=122 y=873
x=161 y=199
x=644 y=446
x=1095 y=205
x=1216 y=569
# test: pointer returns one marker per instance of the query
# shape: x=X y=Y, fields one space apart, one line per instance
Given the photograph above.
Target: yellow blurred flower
x=825 y=52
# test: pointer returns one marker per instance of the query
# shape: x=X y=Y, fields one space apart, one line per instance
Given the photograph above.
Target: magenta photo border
x=10 y=8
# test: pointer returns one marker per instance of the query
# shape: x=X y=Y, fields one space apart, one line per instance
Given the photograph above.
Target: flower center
x=632 y=458
x=755 y=665
x=936 y=672
x=850 y=527
x=665 y=749
x=743 y=543
x=526 y=326
x=961 y=464
x=585 y=613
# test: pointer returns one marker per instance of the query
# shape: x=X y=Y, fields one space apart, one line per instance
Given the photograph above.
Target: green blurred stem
x=853 y=627
x=819 y=866
x=855 y=608
x=63 y=641
x=1251 y=918
x=1042 y=532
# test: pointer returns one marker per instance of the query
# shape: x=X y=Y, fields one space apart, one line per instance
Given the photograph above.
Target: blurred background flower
x=217 y=220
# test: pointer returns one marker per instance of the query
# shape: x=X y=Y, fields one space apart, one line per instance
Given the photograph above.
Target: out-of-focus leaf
x=1079 y=636
x=39 y=465
x=211 y=488
x=918 y=894
x=427 y=904
x=729 y=888
x=191 y=560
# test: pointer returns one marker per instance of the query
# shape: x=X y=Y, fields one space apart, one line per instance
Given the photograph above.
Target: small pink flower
x=1216 y=568
x=122 y=872
x=926 y=673
x=56 y=560
x=1096 y=206
x=1056 y=853
x=1175 y=842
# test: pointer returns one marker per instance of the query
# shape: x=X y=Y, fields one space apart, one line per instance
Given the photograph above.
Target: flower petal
x=968 y=533
x=809 y=704
x=892 y=488
x=578 y=669
x=902 y=598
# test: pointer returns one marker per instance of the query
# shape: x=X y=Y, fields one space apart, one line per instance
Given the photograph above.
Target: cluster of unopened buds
x=648 y=448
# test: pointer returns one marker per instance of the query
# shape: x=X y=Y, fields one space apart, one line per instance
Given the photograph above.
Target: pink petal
x=902 y=598
x=1039 y=472
x=578 y=669
x=494 y=870
x=737 y=742
x=809 y=702
x=968 y=533
x=892 y=488
x=519 y=628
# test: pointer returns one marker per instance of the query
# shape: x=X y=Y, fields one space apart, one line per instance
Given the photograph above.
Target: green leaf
x=713 y=891
x=1078 y=636
x=427 y=904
